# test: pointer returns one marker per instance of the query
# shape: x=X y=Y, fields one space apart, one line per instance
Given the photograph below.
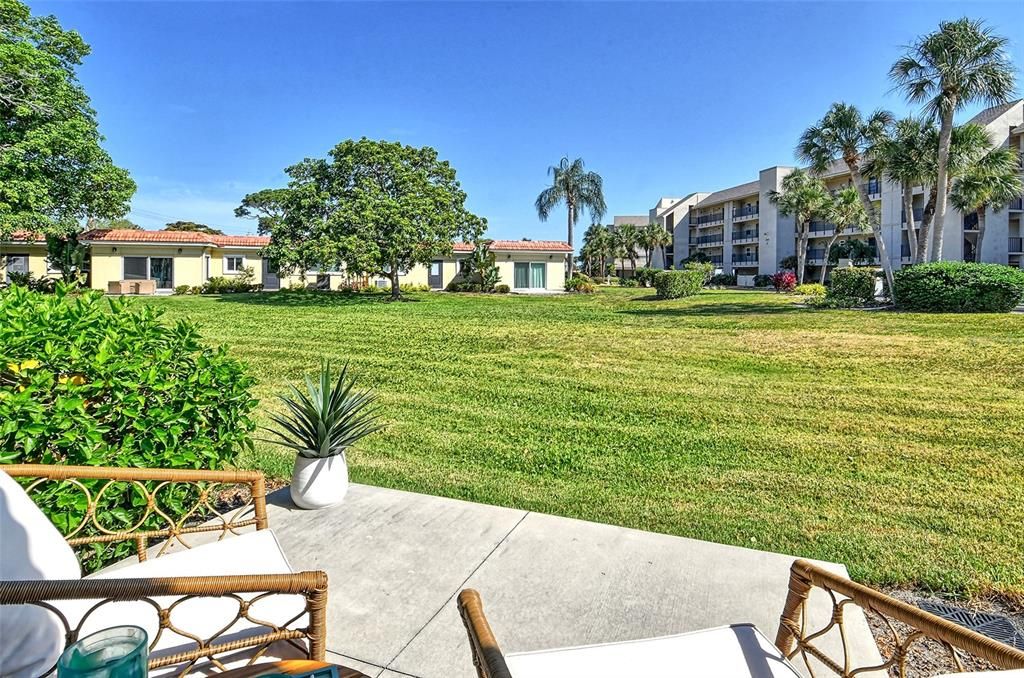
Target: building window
x=158 y=269
x=136 y=268
x=17 y=264
x=234 y=263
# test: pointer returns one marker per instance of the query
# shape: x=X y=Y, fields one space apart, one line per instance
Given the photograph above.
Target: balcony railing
x=716 y=259
x=1016 y=245
x=745 y=235
x=717 y=238
x=816 y=254
x=918 y=215
x=971 y=221
x=905 y=250
x=821 y=227
x=1017 y=204
x=748 y=260
x=711 y=218
x=742 y=212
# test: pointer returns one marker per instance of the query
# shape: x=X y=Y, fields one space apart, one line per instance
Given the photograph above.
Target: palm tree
x=958 y=64
x=993 y=181
x=652 y=238
x=628 y=239
x=968 y=143
x=903 y=158
x=804 y=197
x=597 y=247
x=845 y=211
x=844 y=134
x=578 y=189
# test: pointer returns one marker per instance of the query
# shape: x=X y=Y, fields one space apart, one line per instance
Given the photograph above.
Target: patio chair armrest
x=487 y=656
x=312 y=586
x=906 y=626
x=150 y=484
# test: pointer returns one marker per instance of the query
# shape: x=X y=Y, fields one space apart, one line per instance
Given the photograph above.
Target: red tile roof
x=173 y=237
x=26 y=237
x=520 y=246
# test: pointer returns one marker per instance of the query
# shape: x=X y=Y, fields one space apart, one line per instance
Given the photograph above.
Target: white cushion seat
x=736 y=651
x=251 y=553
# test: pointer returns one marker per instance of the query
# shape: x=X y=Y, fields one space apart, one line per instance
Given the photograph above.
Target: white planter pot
x=319 y=483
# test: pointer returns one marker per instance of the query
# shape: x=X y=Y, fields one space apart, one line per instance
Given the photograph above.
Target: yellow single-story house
x=174 y=258
x=25 y=253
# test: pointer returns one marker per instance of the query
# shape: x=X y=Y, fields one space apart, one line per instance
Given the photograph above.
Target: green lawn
x=891 y=442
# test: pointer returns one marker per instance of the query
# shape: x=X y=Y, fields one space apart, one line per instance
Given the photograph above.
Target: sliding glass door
x=159 y=269
x=529 y=276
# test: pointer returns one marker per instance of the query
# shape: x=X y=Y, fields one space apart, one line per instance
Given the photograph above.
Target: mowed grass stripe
x=890 y=442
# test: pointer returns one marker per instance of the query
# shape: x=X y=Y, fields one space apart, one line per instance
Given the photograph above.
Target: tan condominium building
x=743 y=233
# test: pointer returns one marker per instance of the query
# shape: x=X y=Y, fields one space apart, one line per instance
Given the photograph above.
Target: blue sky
x=205 y=101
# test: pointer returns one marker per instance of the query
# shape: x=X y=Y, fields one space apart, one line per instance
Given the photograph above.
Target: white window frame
x=529 y=274
x=7 y=264
x=238 y=270
x=149 y=267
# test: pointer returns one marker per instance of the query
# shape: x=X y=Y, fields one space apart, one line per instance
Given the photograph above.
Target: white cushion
x=31 y=548
x=250 y=553
x=737 y=651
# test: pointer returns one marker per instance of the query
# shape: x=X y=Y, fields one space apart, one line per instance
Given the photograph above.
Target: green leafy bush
x=675 y=284
x=243 y=282
x=706 y=269
x=628 y=282
x=853 y=283
x=762 y=280
x=959 y=287
x=410 y=287
x=580 y=283
x=810 y=290
x=183 y=289
x=644 y=276
x=29 y=282
x=502 y=288
x=96 y=382
x=722 y=279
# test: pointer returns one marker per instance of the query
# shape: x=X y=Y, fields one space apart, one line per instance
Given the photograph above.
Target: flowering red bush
x=784 y=281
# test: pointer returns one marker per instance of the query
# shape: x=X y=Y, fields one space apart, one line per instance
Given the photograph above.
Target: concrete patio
x=396 y=560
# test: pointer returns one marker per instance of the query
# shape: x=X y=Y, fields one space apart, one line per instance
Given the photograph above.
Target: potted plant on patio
x=321 y=425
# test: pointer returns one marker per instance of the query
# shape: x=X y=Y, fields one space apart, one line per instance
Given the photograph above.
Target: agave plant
x=326 y=420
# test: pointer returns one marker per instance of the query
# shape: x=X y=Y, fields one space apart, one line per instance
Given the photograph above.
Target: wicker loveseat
x=741 y=651
x=211 y=587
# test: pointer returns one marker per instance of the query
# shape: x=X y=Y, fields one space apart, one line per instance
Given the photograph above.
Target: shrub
x=722 y=279
x=410 y=287
x=706 y=269
x=30 y=282
x=853 y=283
x=183 y=289
x=675 y=284
x=810 y=290
x=243 y=282
x=762 y=280
x=628 y=282
x=502 y=288
x=645 y=276
x=84 y=380
x=784 y=281
x=580 y=283
x=959 y=287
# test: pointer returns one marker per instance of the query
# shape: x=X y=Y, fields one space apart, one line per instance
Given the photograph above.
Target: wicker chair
x=907 y=629
x=166 y=595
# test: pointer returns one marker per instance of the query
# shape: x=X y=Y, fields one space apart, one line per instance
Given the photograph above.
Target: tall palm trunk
x=876 y=226
x=939 y=223
x=572 y=266
x=801 y=253
x=981 y=233
x=828 y=250
x=908 y=209
x=924 y=240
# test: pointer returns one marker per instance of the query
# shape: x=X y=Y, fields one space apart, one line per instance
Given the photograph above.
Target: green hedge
x=96 y=382
x=675 y=284
x=959 y=287
x=853 y=283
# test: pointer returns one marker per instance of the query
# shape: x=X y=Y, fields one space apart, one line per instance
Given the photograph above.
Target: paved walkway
x=396 y=561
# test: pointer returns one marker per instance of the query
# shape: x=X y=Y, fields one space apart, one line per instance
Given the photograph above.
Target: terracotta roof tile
x=26 y=237
x=519 y=246
x=241 y=240
x=184 y=237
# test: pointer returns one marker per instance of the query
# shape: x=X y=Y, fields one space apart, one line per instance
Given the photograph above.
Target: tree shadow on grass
x=310 y=299
x=704 y=310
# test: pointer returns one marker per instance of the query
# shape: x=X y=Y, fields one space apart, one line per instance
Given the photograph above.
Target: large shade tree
x=961 y=63
x=53 y=172
x=990 y=183
x=578 y=189
x=192 y=227
x=804 y=197
x=844 y=134
x=374 y=207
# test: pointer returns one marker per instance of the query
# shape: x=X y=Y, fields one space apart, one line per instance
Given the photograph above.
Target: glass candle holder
x=118 y=652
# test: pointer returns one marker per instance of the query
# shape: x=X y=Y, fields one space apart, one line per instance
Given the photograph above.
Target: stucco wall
x=251 y=258
x=107 y=265
x=36 y=259
x=554 y=268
